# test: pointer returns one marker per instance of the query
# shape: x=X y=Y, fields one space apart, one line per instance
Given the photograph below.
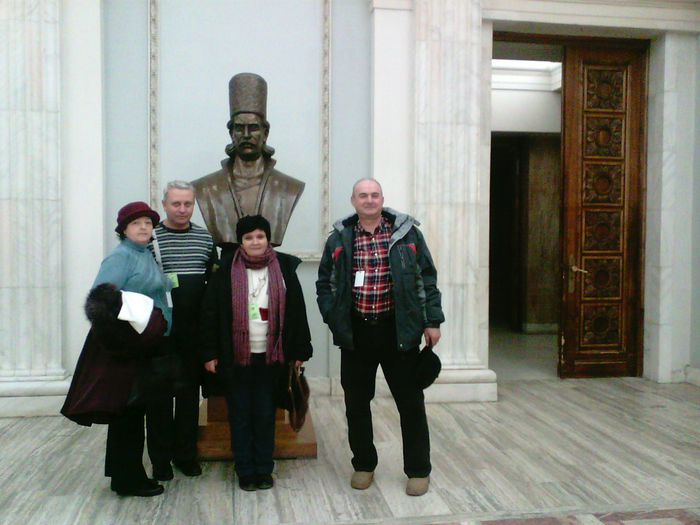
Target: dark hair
x=251 y=223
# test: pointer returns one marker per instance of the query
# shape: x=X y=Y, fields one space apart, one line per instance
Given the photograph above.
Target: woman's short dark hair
x=251 y=223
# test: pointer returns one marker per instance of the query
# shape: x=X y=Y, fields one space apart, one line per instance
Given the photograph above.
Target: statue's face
x=249 y=135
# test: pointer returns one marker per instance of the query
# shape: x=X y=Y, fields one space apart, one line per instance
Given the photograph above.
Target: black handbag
x=294 y=396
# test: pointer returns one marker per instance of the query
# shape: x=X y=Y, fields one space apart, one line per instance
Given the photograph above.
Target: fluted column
x=451 y=193
x=30 y=197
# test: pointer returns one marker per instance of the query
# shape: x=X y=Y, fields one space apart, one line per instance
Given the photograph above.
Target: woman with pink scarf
x=253 y=323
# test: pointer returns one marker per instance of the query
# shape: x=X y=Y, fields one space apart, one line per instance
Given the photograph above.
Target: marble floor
x=648 y=517
x=516 y=356
x=573 y=452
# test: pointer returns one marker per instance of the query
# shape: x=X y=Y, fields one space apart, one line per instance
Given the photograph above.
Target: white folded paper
x=136 y=308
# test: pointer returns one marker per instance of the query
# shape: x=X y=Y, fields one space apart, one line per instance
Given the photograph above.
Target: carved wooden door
x=604 y=103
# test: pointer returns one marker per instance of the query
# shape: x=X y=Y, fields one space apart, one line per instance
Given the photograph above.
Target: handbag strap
x=156 y=251
x=294 y=372
x=159 y=261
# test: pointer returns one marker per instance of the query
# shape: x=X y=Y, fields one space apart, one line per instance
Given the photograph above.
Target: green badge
x=253 y=312
x=173 y=279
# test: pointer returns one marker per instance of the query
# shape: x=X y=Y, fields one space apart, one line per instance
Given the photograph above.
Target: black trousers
x=173 y=437
x=123 y=457
x=375 y=345
x=250 y=396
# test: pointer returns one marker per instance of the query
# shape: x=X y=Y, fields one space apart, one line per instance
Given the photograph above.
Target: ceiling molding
x=651 y=15
x=520 y=75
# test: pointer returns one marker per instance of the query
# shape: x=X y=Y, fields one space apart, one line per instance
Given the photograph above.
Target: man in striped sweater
x=186 y=253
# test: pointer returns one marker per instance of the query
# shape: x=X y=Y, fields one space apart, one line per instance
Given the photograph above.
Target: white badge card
x=169 y=299
x=359 y=278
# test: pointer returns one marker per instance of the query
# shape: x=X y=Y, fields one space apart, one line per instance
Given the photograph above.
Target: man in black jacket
x=377 y=292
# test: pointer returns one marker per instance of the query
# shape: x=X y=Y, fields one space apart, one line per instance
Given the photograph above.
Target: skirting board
x=540 y=328
x=692 y=376
x=32 y=398
x=31 y=406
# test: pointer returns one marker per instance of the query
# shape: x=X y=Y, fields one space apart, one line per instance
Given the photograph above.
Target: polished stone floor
x=547 y=450
x=516 y=356
x=647 y=517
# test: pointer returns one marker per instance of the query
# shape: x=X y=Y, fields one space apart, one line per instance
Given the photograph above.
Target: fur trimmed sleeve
x=118 y=337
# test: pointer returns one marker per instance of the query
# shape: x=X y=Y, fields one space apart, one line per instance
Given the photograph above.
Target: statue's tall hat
x=247 y=93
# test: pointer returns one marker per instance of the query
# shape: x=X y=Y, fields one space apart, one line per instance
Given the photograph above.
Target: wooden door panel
x=604 y=97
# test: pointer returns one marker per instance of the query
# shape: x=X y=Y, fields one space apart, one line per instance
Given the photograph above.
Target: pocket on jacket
x=414 y=318
x=407 y=253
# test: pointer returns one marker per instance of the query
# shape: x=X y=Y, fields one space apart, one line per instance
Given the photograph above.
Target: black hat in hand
x=428 y=367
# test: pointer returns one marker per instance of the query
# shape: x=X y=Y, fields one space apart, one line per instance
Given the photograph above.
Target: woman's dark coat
x=217 y=321
x=111 y=359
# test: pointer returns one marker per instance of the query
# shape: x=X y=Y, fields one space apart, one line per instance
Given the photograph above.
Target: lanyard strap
x=156 y=251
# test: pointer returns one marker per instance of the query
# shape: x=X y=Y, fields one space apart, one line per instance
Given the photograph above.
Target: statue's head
x=248 y=127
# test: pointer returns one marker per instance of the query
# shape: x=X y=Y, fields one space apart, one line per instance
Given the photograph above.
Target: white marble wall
x=392 y=104
x=668 y=264
x=30 y=195
x=451 y=190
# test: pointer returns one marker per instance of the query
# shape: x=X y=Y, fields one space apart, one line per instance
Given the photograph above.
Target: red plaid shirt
x=370 y=252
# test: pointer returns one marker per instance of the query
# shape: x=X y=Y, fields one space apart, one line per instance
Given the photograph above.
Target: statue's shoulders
x=213 y=179
x=287 y=181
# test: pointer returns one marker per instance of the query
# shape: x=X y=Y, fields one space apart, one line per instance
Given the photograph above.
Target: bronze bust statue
x=247 y=183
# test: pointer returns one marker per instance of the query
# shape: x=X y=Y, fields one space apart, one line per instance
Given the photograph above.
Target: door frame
x=617 y=43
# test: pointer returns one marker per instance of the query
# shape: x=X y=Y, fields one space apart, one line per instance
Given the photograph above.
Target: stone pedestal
x=215 y=438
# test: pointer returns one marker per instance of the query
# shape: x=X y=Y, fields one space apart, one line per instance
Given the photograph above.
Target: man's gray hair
x=177 y=185
x=365 y=179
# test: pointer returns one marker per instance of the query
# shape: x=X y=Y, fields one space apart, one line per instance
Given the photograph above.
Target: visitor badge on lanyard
x=173 y=279
x=253 y=312
x=359 y=278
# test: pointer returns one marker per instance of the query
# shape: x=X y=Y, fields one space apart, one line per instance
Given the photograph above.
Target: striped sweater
x=185 y=252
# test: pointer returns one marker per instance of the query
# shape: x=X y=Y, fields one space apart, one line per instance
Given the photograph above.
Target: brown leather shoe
x=417 y=486
x=361 y=480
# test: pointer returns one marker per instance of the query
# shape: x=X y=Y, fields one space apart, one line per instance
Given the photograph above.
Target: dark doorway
x=524 y=252
x=508 y=167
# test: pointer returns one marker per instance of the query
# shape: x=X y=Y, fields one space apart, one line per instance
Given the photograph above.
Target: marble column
x=451 y=184
x=30 y=200
x=668 y=263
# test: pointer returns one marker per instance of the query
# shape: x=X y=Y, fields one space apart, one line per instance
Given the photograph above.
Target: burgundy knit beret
x=131 y=212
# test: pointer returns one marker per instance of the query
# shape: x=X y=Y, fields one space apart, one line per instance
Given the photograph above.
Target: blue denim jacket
x=132 y=268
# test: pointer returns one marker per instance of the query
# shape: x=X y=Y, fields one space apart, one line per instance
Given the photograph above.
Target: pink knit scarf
x=239 y=306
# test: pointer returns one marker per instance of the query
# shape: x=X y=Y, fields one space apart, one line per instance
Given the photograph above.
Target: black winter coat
x=216 y=338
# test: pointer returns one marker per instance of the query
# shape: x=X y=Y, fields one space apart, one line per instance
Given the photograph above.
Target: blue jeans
x=250 y=396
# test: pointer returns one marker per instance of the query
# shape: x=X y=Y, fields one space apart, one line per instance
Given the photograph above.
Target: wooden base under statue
x=215 y=439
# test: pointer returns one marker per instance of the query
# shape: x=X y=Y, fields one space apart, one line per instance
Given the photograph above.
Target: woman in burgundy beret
x=114 y=379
